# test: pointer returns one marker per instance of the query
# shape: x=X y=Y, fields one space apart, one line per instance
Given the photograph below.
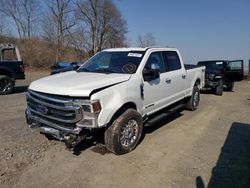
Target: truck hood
x=76 y=84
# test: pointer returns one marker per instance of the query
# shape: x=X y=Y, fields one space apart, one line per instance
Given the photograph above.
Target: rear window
x=212 y=65
x=9 y=55
x=172 y=61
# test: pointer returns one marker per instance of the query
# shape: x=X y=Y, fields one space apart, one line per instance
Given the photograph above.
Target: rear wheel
x=194 y=100
x=124 y=133
x=219 y=89
x=6 y=85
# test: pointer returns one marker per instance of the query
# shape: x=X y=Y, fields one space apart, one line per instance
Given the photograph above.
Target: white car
x=121 y=90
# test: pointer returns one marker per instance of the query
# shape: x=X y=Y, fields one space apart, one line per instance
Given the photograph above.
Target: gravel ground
x=208 y=147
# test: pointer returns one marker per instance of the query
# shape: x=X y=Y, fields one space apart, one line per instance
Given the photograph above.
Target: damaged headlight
x=91 y=110
x=92 y=106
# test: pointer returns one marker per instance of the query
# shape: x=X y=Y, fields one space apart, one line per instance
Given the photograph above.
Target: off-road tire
x=194 y=100
x=6 y=85
x=113 y=134
x=219 y=89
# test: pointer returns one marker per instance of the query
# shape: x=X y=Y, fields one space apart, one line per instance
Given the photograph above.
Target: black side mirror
x=152 y=73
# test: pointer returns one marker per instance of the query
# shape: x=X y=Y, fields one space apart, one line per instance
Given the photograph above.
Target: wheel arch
x=122 y=109
x=197 y=83
x=7 y=72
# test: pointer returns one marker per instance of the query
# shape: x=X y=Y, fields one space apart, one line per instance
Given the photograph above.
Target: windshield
x=125 y=62
x=212 y=65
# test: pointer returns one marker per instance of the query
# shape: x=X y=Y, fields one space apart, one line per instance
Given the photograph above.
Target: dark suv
x=11 y=67
x=61 y=66
x=222 y=74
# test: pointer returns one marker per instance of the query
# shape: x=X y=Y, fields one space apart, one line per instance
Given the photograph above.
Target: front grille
x=54 y=109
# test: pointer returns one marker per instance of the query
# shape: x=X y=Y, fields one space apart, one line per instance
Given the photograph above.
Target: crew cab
x=117 y=90
x=222 y=74
x=11 y=67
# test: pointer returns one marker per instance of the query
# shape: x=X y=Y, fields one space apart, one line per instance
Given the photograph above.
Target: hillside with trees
x=61 y=30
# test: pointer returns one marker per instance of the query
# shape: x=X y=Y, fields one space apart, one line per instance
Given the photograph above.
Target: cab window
x=156 y=58
x=172 y=61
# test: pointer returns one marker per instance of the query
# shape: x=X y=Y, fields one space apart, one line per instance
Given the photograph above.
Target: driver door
x=155 y=91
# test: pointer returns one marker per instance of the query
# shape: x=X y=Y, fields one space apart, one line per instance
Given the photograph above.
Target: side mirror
x=151 y=74
x=155 y=66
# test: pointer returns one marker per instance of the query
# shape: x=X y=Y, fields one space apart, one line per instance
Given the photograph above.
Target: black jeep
x=222 y=74
x=11 y=67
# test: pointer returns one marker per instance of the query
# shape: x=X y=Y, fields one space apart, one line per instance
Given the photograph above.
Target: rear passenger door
x=176 y=76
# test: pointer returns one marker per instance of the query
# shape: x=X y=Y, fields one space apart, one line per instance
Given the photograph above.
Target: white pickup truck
x=117 y=90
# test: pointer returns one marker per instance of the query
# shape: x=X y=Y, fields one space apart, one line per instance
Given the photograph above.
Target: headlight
x=92 y=106
x=86 y=108
x=91 y=111
x=211 y=76
x=218 y=77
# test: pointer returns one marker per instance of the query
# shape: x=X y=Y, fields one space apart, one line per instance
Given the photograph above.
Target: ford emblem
x=42 y=109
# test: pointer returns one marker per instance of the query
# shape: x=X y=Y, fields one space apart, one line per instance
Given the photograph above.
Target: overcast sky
x=200 y=29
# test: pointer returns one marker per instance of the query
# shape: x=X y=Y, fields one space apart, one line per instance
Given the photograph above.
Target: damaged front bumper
x=71 y=137
x=66 y=119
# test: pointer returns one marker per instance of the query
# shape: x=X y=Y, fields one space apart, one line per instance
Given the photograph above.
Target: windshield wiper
x=82 y=70
x=104 y=71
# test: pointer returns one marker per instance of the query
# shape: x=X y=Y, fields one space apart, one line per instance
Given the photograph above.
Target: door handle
x=168 y=81
x=183 y=76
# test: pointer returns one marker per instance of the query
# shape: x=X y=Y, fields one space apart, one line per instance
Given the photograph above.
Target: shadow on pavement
x=212 y=92
x=233 y=166
x=199 y=182
x=98 y=139
x=158 y=125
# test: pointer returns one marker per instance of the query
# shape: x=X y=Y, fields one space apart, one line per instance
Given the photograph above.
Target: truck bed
x=194 y=71
x=13 y=67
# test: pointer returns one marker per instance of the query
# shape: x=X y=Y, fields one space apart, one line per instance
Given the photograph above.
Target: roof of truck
x=213 y=60
x=138 y=49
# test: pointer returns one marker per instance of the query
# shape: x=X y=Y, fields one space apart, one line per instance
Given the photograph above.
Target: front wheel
x=230 y=86
x=219 y=88
x=194 y=100
x=6 y=85
x=124 y=133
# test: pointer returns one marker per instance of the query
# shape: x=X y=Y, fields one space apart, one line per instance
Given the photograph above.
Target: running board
x=163 y=115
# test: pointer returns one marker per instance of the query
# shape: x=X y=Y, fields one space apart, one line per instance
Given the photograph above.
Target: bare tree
x=23 y=13
x=58 y=23
x=2 y=31
x=2 y=28
x=146 y=40
x=30 y=14
x=76 y=39
x=103 y=23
